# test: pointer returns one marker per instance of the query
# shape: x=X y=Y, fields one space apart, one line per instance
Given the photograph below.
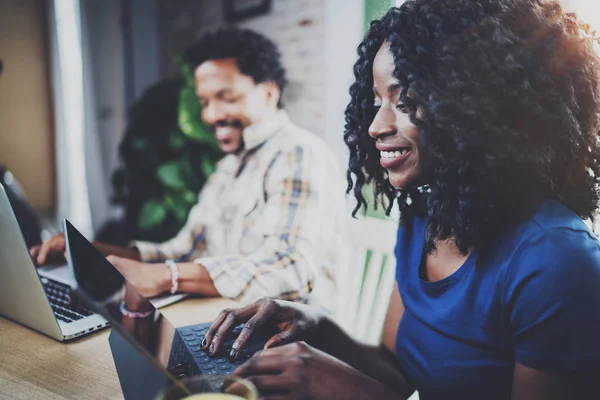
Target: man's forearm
x=374 y=361
x=193 y=278
x=112 y=250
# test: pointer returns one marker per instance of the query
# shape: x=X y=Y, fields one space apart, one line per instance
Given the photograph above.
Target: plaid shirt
x=268 y=221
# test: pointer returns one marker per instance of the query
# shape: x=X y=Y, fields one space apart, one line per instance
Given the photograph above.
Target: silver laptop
x=37 y=298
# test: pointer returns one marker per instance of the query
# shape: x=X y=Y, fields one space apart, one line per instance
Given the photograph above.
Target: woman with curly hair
x=480 y=119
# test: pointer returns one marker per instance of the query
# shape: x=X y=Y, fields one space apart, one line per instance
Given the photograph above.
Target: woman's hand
x=296 y=322
x=299 y=371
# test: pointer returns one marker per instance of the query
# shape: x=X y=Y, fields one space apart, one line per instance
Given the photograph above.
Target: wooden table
x=33 y=366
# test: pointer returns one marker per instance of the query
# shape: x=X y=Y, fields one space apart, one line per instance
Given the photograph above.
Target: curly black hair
x=508 y=100
x=256 y=56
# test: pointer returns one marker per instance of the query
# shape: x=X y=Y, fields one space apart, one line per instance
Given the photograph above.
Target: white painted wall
x=343 y=33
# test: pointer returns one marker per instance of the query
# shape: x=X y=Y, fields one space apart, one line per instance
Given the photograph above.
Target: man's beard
x=227 y=123
x=233 y=124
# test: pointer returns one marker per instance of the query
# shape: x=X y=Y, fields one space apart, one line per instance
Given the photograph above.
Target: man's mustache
x=232 y=123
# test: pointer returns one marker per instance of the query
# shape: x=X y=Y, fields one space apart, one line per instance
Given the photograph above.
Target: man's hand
x=52 y=250
x=299 y=371
x=149 y=279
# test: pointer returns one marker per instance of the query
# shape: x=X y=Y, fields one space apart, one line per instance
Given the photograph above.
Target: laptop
x=31 y=296
x=40 y=297
x=148 y=351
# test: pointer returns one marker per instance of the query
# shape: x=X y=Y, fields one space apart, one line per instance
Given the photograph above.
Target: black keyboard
x=188 y=356
x=59 y=297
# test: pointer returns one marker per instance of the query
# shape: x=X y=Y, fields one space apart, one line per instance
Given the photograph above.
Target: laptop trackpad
x=57 y=272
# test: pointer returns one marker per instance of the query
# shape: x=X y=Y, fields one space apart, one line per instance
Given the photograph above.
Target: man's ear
x=273 y=93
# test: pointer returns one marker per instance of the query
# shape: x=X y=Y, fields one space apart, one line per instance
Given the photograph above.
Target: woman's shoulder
x=551 y=283
x=555 y=243
x=552 y=215
x=552 y=221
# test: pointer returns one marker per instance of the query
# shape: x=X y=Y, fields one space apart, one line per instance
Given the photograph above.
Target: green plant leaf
x=185 y=166
x=163 y=167
x=177 y=206
x=169 y=175
x=151 y=215
x=186 y=70
x=189 y=197
x=168 y=202
x=180 y=214
x=190 y=120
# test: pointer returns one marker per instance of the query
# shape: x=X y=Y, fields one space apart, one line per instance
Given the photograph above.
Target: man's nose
x=212 y=114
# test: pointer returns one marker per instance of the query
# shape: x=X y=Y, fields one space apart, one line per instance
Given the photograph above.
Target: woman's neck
x=444 y=261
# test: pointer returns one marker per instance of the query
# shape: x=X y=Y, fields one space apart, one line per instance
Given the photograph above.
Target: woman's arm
x=299 y=322
x=551 y=289
x=378 y=362
x=533 y=384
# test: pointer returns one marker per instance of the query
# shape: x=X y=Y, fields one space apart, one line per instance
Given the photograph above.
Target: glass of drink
x=210 y=387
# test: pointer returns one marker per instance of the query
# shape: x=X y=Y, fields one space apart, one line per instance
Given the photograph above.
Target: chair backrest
x=367 y=280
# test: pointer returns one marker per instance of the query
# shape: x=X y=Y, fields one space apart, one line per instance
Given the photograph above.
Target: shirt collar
x=256 y=134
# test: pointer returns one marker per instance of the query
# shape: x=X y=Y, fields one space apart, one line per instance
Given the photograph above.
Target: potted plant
x=167 y=155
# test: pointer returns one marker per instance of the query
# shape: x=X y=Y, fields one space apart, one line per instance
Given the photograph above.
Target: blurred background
x=97 y=121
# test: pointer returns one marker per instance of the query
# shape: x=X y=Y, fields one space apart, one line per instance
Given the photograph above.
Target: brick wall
x=296 y=26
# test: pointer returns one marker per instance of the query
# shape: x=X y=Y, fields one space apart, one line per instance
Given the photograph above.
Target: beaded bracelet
x=131 y=314
x=174 y=276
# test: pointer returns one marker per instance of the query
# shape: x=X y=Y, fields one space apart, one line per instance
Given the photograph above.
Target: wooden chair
x=366 y=280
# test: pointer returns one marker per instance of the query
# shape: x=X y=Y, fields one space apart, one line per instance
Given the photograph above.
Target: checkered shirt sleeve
x=283 y=266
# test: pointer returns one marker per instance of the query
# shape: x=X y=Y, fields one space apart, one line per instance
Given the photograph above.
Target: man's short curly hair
x=256 y=56
x=508 y=100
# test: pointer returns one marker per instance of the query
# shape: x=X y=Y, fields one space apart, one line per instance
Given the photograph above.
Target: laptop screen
x=101 y=285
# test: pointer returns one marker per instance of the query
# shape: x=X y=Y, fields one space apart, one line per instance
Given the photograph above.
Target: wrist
x=134 y=314
x=174 y=270
x=325 y=332
x=135 y=253
x=165 y=277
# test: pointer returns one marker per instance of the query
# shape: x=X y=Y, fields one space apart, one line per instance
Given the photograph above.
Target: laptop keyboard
x=189 y=341
x=59 y=297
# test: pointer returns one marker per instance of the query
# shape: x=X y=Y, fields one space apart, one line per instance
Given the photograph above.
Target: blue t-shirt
x=533 y=300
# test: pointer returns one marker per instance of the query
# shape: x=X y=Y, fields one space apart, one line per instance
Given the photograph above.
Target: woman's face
x=395 y=135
